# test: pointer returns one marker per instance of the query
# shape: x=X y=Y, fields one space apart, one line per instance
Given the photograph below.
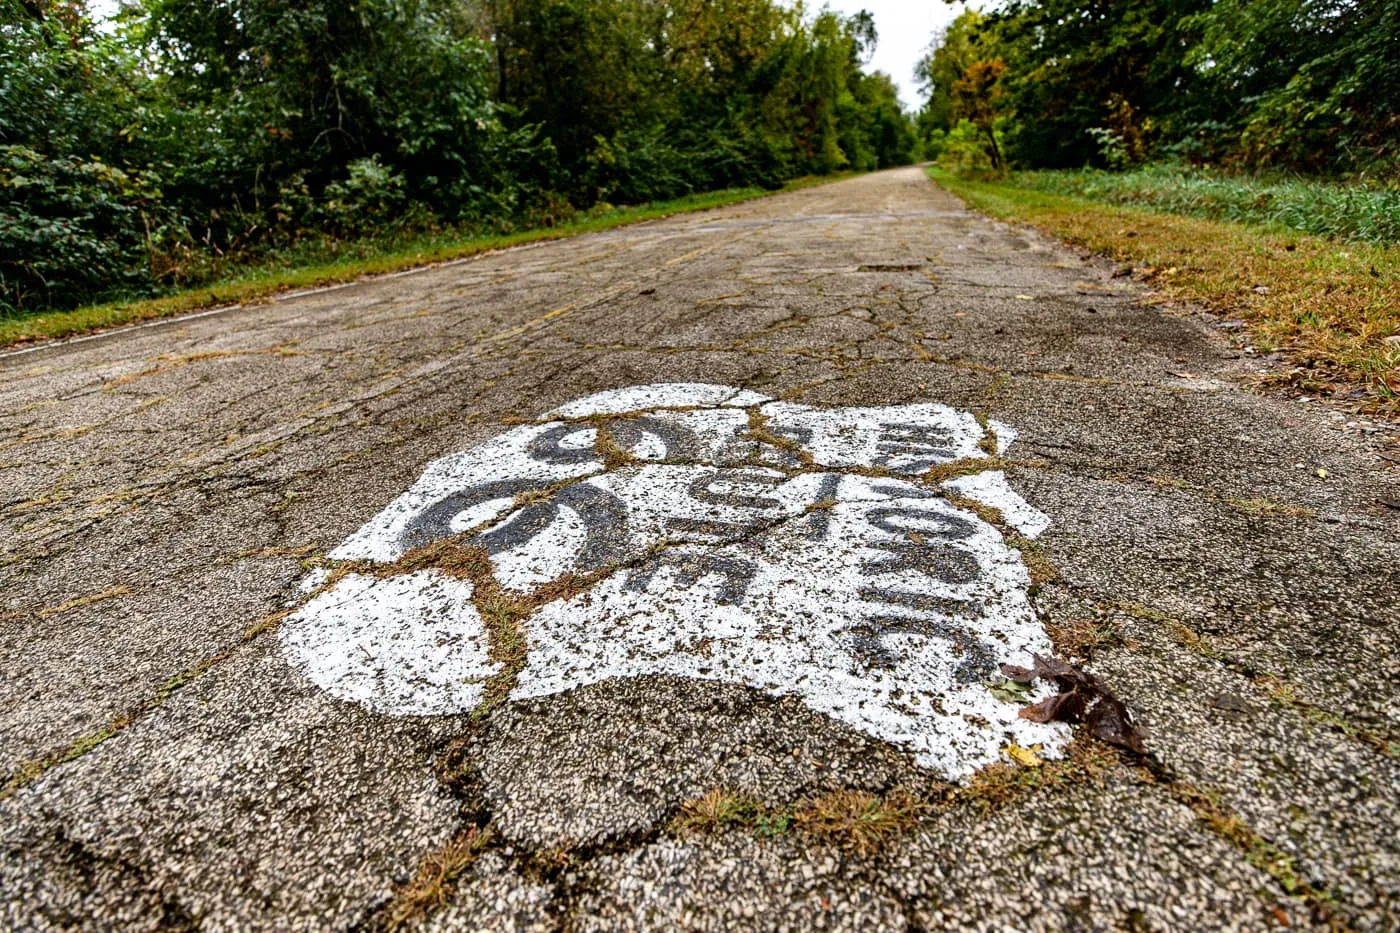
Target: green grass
x=1356 y=212
x=1328 y=305
x=251 y=285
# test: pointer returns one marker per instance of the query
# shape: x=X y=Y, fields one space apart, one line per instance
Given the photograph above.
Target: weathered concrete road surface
x=178 y=751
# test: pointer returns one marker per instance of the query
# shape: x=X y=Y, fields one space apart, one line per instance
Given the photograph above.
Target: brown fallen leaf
x=1062 y=707
x=1083 y=697
x=1022 y=675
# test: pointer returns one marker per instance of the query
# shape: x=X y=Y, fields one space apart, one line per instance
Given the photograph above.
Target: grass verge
x=1331 y=309
x=258 y=285
x=1344 y=211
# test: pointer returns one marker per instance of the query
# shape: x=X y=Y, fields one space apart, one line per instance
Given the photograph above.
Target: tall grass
x=1356 y=211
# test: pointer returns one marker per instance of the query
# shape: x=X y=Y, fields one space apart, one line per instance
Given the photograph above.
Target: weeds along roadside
x=1359 y=211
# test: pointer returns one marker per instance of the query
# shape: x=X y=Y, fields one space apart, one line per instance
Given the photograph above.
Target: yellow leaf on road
x=1025 y=757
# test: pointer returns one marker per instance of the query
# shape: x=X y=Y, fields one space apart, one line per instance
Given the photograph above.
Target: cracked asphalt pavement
x=174 y=755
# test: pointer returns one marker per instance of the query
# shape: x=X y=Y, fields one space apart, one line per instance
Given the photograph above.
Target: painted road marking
x=797 y=550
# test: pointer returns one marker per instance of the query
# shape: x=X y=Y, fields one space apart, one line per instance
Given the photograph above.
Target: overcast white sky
x=905 y=27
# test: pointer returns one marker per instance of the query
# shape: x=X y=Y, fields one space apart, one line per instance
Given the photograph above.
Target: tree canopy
x=134 y=154
x=1304 y=85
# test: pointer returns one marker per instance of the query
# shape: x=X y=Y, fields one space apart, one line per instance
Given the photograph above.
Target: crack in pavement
x=196 y=464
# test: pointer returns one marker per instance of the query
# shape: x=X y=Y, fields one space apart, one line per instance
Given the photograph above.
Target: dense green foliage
x=186 y=139
x=1300 y=85
x=1344 y=211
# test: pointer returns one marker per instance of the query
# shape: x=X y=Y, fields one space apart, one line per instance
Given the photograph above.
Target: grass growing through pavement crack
x=35 y=768
x=1264 y=855
x=1278 y=690
x=88 y=600
x=864 y=822
x=433 y=884
x=1079 y=637
x=850 y=819
x=760 y=432
x=857 y=819
x=1285 y=694
x=1269 y=507
x=500 y=611
x=613 y=454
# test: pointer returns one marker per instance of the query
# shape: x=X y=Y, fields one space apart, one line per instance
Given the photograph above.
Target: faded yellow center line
x=687 y=256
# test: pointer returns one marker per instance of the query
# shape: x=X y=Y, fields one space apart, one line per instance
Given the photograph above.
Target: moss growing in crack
x=1183 y=634
x=988 y=513
x=848 y=819
x=858 y=820
x=1285 y=694
x=966 y=466
x=1269 y=507
x=1042 y=570
x=1258 y=851
x=999 y=384
x=613 y=454
x=1080 y=636
x=505 y=641
x=532 y=497
x=1278 y=690
x=989 y=443
x=1086 y=761
x=303 y=553
x=759 y=431
x=863 y=822
x=501 y=611
x=81 y=601
x=1170 y=482
x=436 y=880
x=451 y=556
x=35 y=768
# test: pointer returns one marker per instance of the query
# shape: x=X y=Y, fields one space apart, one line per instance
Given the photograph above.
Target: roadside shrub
x=637 y=166
x=964 y=152
x=74 y=229
x=370 y=198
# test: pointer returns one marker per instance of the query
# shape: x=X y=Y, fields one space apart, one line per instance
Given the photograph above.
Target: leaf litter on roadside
x=1083 y=697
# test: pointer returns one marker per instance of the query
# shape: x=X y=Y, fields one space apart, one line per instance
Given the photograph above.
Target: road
x=495 y=570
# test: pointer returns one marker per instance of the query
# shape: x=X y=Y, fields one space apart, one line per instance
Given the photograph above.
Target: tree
x=1309 y=84
x=1071 y=64
x=978 y=97
x=948 y=57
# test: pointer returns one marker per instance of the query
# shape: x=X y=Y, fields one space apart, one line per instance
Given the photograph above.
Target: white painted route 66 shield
x=800 y=551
